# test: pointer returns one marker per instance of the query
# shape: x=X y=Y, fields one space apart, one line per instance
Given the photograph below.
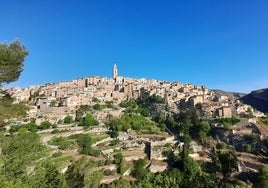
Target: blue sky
x=219 y=44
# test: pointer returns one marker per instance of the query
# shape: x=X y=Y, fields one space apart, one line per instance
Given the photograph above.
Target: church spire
x=115 y=71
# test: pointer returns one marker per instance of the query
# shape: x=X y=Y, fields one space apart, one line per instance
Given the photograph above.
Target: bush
x=10 y=110
x=145 y=112
x=139 y=170
x=109 y=172
x=98 y=107
x=45 y=125
x=89 y=121
x=32 y=127
x=14 y=128
x=67 y=120
x=128 y=103
x=84 y=142
x=133 y=121
x=109 y=104
x=263 y=120
x=113 y=134
x=57 y=154
x=55 y=131
x=114 y=142
x=62 y=143
x=221 y=145
x=95 y=100
x=228 y=121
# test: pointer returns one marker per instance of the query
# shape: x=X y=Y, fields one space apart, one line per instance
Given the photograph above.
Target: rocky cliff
x=257 y=99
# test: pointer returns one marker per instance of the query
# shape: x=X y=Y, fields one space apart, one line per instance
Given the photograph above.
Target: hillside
x=230 y=95
x=257 y=99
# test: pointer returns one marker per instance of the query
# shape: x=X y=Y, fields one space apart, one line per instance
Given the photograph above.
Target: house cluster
x=86 y=91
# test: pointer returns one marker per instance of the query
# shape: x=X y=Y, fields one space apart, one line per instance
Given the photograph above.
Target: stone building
x=225 y=112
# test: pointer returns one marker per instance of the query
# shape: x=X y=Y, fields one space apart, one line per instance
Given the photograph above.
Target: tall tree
x=11 y=61
x=228 y=163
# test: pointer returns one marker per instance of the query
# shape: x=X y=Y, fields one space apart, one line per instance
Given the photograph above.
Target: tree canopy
x=11 y=61
x=261 y=179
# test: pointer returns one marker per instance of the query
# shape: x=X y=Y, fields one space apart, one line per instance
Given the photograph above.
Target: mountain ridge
x=258 y=99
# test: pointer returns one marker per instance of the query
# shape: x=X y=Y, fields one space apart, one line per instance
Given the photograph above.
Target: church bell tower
x=115 y=71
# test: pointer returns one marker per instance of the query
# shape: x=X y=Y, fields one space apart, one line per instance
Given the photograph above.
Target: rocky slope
x=230 y=95
x=257 y=99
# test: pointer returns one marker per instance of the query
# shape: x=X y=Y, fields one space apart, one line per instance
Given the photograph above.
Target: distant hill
x=233 y=95
x=257 y=99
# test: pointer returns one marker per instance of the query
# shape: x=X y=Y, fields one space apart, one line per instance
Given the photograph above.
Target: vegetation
x=185 y=172
x=47 y=176
x=81 y=112
x=113 y=134
x=10 y=110
x=109 y=104
x=96 y=100
x=133 y=121
x=132 y=106
x=19 y=151
x=139 y=171
x=45 y=125
x=31 y=126
x=63 y=143
x=228 y=121
x=114 y=142
x=225 y=162
x=98 y=107
x=11 y=61
x=150 y=99
x=128 y=103
x=84 y=142
x=53 y=103
x=119 y=160
x=261 y=179
x=88 y=121
x=79 y=174
x=25 y=162
x=68 y=120
x=187 y=125
x=24 y=149
x=263 y=120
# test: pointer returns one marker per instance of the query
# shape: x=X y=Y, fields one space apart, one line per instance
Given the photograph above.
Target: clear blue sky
x=219 y=44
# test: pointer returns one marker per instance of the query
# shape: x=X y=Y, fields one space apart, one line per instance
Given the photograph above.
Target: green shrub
x=114 y=142
x=88 y=121
x=57 y=154
x=45 y=125
x=55 y=131
x=62 y=143
x=97 y=107
x=228 y=121
x=67 y=120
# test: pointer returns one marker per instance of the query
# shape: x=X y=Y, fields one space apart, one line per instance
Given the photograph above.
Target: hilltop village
x=131 y=121
x=56 y=97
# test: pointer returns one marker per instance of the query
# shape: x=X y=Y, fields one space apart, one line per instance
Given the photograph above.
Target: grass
x=60 y=161
x=63 y=142
x=98 y=138
x=9 y=110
